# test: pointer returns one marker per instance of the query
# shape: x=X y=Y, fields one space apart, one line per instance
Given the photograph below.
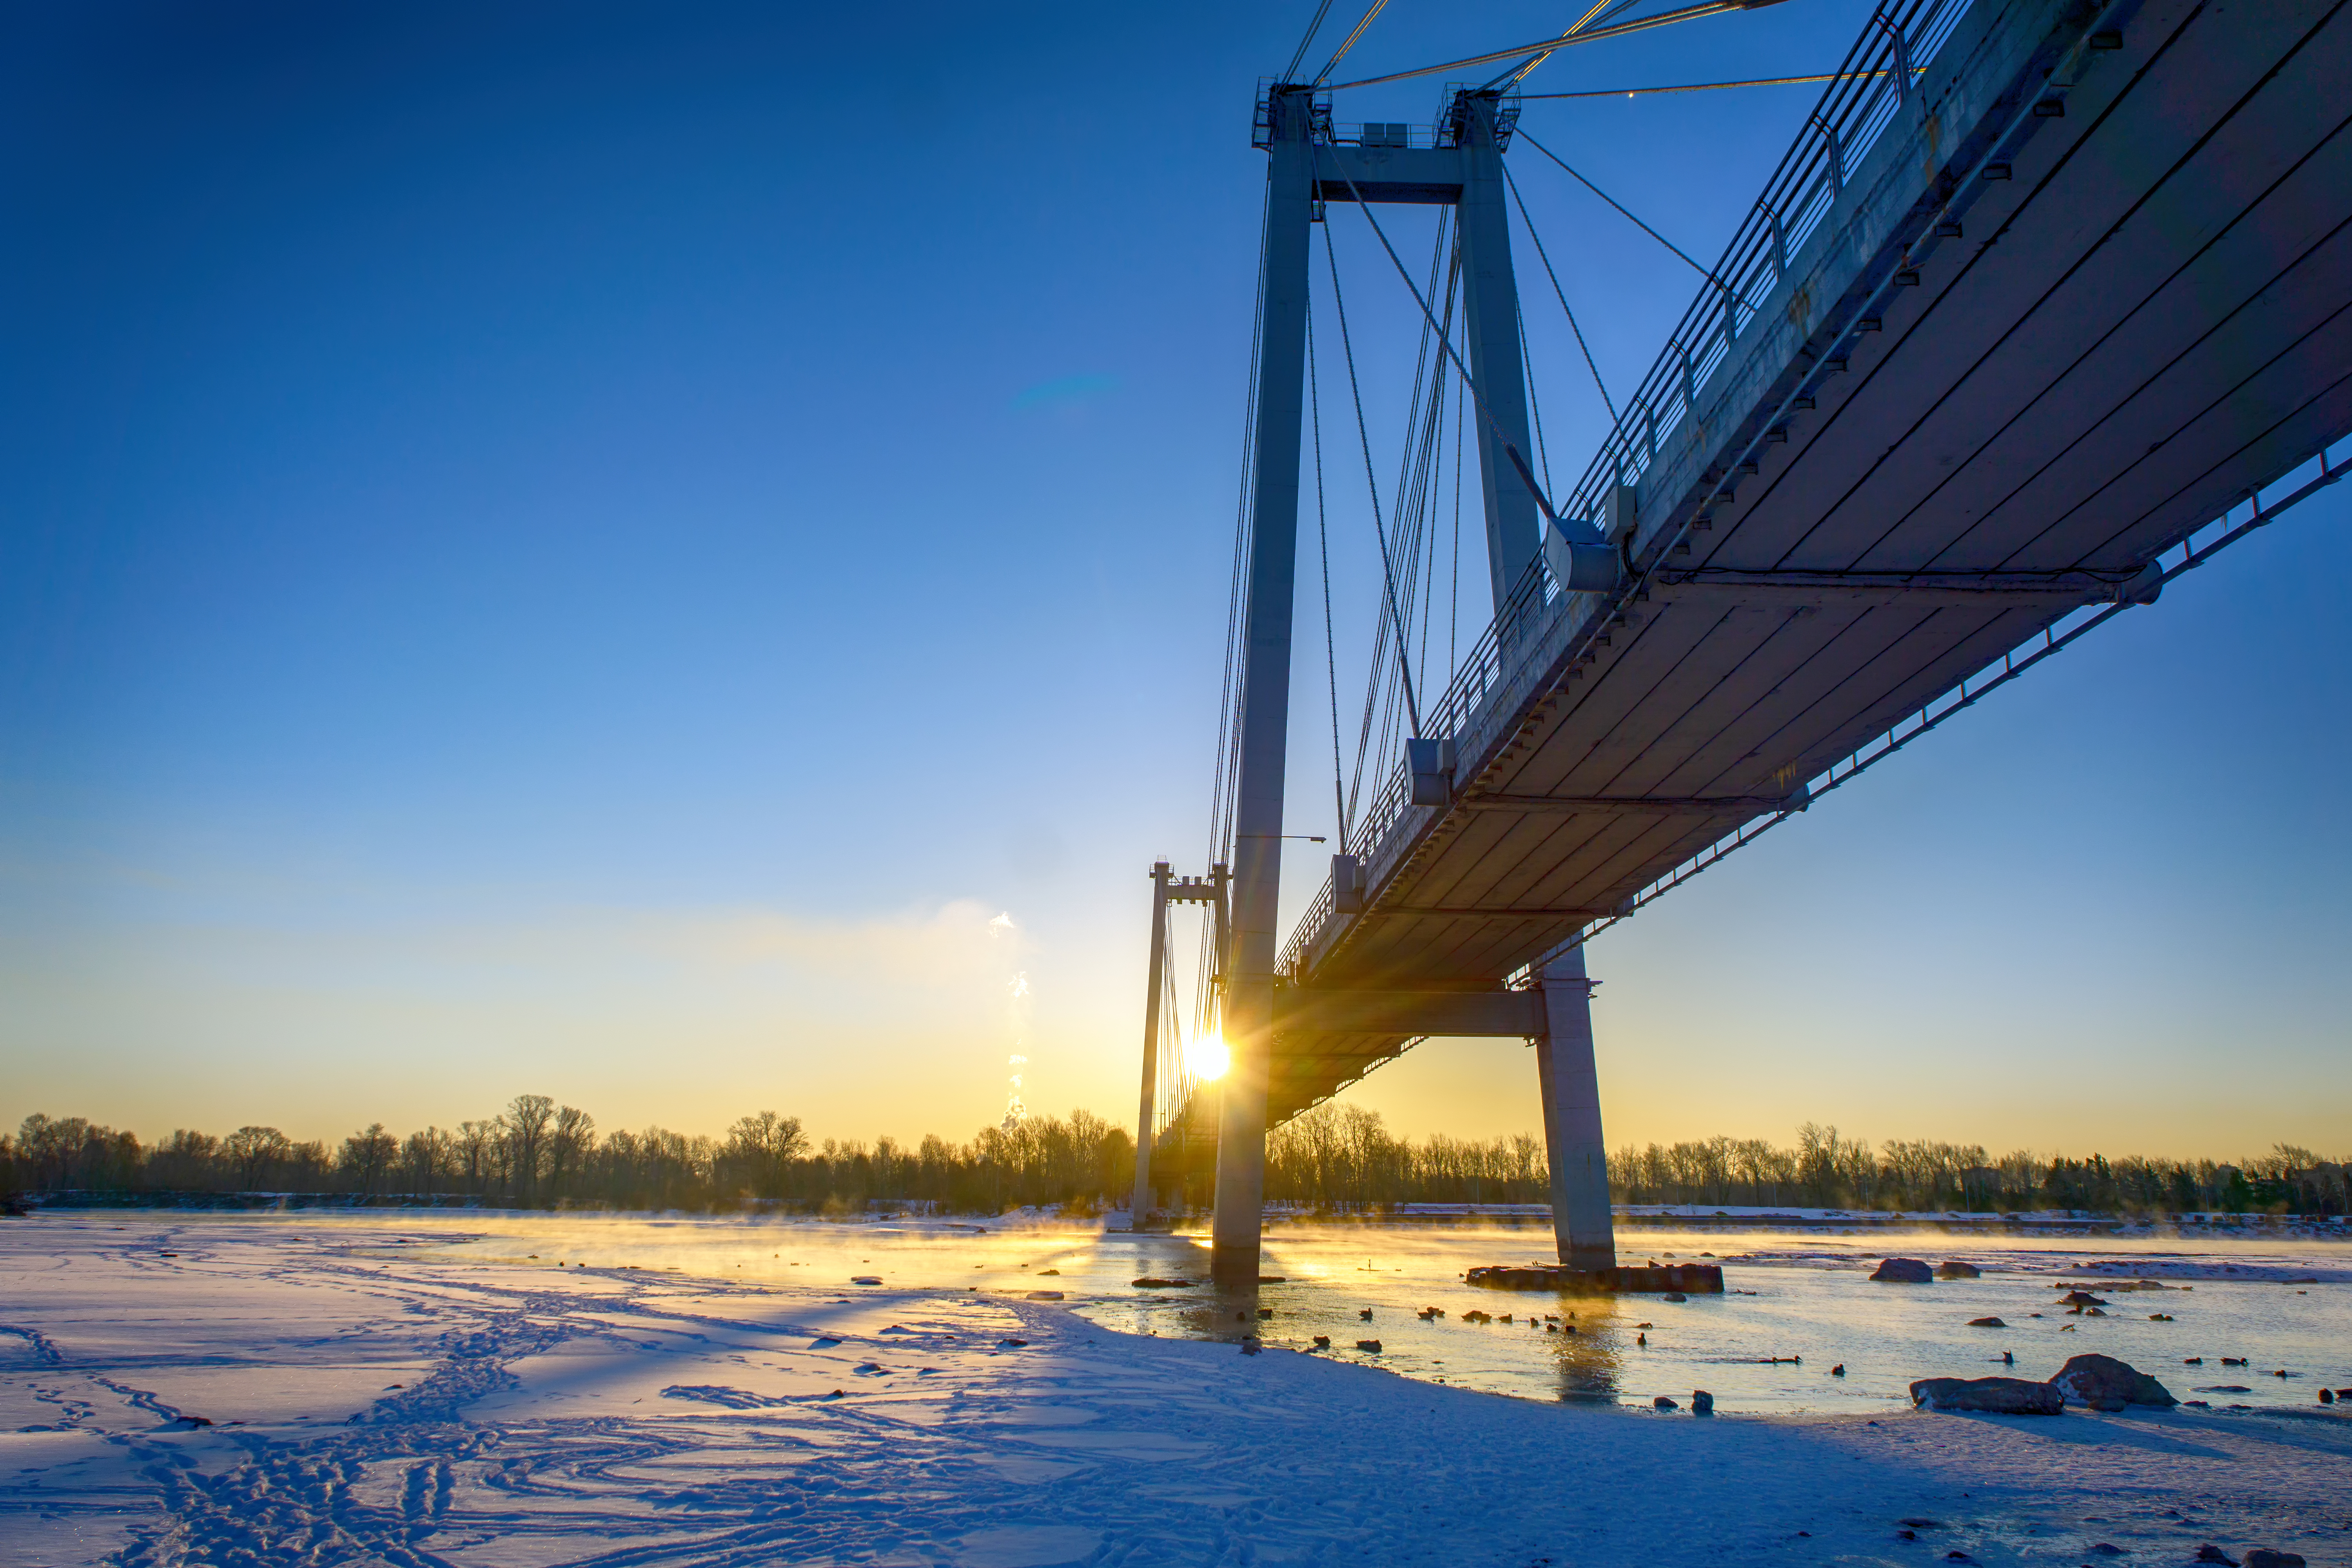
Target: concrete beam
x=1659 y=806
x=1511 y=1013
x=1419 y=176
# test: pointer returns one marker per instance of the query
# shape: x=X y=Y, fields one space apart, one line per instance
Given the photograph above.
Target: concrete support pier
x=1248 y=1010
x=1572 y=1110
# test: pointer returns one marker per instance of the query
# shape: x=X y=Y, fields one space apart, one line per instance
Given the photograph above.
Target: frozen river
x=1796 y=1307
x=491 y=1390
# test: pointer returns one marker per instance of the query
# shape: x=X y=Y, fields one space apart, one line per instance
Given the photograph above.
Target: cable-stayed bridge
x=2047 y=303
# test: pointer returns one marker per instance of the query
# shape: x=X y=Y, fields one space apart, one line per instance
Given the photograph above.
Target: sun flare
x=1207 y=1058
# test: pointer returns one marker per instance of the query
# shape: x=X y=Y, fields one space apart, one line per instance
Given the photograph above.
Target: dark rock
x=1955 y=1269
x=1905 y=1271
x=1366 y=1314
x=1250 y=1345
x=1702 y=1402
x=2263 y=1557
x=1045 y=1295
x=1663 y=1403
x=1372 y=1345
x=1674 y=1296
x=2103 y=1383
x=1995 y=1395
x=2209 y=1552
x=1266 y=1312
x=2107 y=1548
x=1987 y=1323
x=2080 y=1299
x=1838 y=1370
x=2328 y=1397
x=1322 y=1342
x=1150 y=1283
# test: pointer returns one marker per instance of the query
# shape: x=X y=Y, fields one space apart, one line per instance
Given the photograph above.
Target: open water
x=1798 y=1305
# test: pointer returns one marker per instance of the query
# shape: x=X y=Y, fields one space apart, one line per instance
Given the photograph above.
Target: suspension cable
x=1535 y=407
x=1522 y=134
x=1323 y=541
x=1348 y=43
x=1290 y=72
x=1562 y=295
x=1545 y=46
x=1371 y=481
x=1712 y=86
x=1225 y=788
x=1453 y=601
x=1444 y=339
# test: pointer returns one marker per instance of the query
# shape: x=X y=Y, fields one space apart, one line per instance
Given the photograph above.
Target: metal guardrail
x=1871 y=88
x=1877 y=80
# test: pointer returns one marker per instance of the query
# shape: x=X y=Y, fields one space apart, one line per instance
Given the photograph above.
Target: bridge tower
x=1308 y=167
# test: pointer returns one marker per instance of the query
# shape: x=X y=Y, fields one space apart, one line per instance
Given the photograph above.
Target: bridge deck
x=2143 y=323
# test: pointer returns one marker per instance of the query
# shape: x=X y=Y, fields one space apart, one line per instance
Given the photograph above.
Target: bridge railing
x=1873 y=85
x=1871 y=88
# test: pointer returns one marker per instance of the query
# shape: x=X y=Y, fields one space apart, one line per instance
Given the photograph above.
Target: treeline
x=1825 y=1170
x=1337 y=1158
x=1340 y=1156
x=537 y=1153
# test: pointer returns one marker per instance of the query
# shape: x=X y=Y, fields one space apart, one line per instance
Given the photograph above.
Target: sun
x=1207 y=1058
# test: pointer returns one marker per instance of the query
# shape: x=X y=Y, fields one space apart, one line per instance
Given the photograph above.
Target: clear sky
x=598 y=550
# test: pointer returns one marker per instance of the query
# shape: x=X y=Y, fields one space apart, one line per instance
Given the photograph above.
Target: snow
x=610 y=1416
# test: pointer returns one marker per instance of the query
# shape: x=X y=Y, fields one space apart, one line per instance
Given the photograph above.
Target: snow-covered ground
x=373 y=1397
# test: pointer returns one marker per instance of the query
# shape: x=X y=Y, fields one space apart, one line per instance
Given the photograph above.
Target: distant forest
x=1337 y=1158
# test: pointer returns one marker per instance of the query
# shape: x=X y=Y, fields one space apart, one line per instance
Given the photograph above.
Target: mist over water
x=2282 y=1304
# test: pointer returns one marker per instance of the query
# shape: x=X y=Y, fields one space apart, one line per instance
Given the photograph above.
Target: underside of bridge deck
x=1957 y=439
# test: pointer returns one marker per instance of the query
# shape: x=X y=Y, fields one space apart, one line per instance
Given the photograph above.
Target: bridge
x=2047 y=303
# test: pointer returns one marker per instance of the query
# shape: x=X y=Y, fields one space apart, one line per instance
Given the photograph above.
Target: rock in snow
x=1905 y=1271
x=1987 y=1323
x=1955 y=1269
x=1997 y=1396
x=2103 y=1383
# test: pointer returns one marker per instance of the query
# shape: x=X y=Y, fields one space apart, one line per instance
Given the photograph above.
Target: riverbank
x=363 y=1389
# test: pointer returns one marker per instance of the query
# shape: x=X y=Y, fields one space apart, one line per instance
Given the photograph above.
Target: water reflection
x=1399 y=1288
x=1588 y=1362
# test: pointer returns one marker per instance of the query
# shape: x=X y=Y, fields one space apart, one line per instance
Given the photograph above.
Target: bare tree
x=254 y=1150
x=568 y=1144
x=427 y=1157
x=764 y=1148
x=475 y=1141
x=526 y=1122
x=367 y=1154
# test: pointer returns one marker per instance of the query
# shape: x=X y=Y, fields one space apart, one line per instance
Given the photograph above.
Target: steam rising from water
x=1017 y=1024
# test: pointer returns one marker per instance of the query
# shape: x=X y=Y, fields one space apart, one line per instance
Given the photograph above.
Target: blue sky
x=593 y=549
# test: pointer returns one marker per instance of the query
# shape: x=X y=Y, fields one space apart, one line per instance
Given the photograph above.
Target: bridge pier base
x=1578 y=1155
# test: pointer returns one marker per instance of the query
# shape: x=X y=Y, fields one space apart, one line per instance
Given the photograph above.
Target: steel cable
x=1562 y=295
